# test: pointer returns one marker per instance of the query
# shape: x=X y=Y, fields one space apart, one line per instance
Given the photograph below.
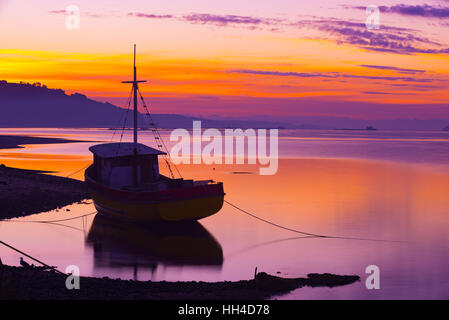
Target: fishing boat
x=124 y=180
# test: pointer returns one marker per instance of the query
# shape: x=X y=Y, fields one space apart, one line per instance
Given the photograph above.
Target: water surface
x=371 y=185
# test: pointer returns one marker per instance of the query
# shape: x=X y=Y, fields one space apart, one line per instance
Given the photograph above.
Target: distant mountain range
x=35 y=105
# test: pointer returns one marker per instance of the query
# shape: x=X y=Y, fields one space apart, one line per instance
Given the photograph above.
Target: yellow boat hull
x=180 y=210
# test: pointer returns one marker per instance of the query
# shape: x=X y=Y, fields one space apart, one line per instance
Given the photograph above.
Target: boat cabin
x=125 y=164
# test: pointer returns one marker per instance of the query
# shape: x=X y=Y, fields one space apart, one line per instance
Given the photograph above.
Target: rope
x=124 y=112
x=124 y=124
x=75 y=172
x=121 y=115
x=303 y=232
x=43 y=221
x=52 y=221
x=274 y=224
x=27 y=255
x=159 y=138
x=157 y=135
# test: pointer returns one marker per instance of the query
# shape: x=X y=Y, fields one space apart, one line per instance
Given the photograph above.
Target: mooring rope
x=32 y=258
x=275 y=224
x=42 y=221
x=51 y=221
x=75 y=172
x=303 y=232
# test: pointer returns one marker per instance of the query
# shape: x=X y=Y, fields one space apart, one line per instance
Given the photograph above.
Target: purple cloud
x=224 y=20
x=386 y=39
x=375 y=92
x=328 y=75
x=424 y=10
x=400 y=70
x=85 y=13
x=418 y=10
x=58 y=11
x=212 y=19
x=150 y=16
x=286 y=74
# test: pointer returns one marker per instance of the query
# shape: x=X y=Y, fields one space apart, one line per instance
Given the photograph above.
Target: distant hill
x=35 y=105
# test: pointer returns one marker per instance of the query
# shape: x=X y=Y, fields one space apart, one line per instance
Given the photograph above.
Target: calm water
x=377 y=185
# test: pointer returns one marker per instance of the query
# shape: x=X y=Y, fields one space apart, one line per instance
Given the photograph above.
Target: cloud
x=400 y=70
x=58 y=11
x=224 y=20
x=334 y=75
x=150 y=16
x=212 y=19
x=386 y=39
x=85 y=13
x=424 y=10
x=375 y=92
x=286 y=74
x=418 y=10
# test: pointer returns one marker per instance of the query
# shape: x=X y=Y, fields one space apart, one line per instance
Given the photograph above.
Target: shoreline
x=28 y=283
x=25 y=192
x=16 y=141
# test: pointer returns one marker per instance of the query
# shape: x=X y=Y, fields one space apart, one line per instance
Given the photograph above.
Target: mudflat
x=15 y=141
x=25 y=192
x=29 y=283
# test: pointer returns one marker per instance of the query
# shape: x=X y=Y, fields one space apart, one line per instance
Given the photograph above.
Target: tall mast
x=135 y=88
x=135 y=100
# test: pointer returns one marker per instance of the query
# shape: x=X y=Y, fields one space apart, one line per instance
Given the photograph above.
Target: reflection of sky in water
x=405 y=146
x=344 y=197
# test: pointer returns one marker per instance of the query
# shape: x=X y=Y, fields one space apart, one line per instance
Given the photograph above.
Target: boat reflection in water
x=119 y=244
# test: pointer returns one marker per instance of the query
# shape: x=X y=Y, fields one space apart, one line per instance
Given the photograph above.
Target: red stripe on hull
x=209 y=190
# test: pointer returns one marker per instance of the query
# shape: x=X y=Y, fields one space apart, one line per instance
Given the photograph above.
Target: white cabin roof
x=112 y=150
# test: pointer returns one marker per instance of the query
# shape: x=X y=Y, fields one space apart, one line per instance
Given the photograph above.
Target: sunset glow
x=218 y=59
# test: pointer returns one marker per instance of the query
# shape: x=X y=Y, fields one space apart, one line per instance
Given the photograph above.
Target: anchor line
x=32 y=258
x=274 y=224
x=43 y=221
x=75 y=172
x=307 y=233
x=52 y=221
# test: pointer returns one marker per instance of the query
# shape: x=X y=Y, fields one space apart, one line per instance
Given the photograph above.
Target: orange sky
x=229 y=55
